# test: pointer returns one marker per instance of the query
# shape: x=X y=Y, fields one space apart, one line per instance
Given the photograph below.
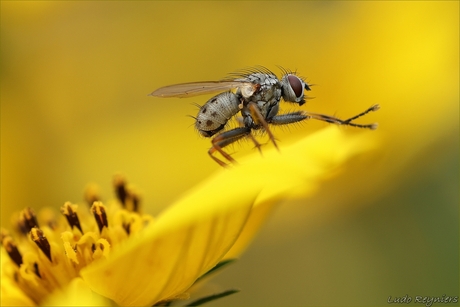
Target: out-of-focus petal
x=296 y=172
x=10 y=294
x=184 y=242
x=77 y=293
x=13 y=296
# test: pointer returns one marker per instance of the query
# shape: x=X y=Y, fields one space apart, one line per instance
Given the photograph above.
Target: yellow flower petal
x=163 y=260
x=295 y=172
x=184 y=242
x=10 y=294
x=77 y=293
x=195 y=233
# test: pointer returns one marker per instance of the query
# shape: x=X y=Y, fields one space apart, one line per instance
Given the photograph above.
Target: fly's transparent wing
x=200 y=88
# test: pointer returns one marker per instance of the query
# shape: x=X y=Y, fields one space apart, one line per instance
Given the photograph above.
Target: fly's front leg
x=288 y=118
x=348 y=122
x=261 y=121
x=224 y=139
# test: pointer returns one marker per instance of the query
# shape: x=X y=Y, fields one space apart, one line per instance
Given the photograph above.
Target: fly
x=254 y=94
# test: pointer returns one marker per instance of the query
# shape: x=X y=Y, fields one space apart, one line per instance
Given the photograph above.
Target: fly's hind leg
x=224 y=139
x=348 y=122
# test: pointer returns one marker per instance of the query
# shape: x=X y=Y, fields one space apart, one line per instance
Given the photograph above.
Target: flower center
x=47 y=252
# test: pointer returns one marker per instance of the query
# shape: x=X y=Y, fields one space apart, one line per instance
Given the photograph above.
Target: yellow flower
x=114 y=253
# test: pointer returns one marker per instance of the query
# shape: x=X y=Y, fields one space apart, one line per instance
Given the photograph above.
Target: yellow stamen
x=54 y=251
x=42 y=242
x=98 y=210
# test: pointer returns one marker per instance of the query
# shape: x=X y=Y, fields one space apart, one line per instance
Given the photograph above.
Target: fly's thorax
x=269 y=92
x=266 y=99
x=261 y=78
x=215 y=113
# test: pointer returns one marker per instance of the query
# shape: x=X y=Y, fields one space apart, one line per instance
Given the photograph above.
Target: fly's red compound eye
x=293 y=88
x=296 y=85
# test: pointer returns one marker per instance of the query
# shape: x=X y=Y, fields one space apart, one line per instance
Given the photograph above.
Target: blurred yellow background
x=74 y=109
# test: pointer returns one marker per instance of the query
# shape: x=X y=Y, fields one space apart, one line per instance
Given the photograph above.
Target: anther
x=36 y=271
x=27 y=220
x=70 y=212
x=127 y=227
x=135 y=199
x=11 y=248
x=98 y=210
x=119 y=184
x=36 y=234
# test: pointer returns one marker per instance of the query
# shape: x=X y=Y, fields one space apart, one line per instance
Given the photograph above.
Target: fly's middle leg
x=257 y=116
x=250 y=135
x=224 y=139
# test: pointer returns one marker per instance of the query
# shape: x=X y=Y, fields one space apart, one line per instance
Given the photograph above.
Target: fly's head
x=293 y=88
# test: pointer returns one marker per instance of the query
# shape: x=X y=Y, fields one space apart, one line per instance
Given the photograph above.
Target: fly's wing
x=200 y=88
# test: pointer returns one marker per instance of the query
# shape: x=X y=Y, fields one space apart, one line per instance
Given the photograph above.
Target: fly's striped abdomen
x=214 y=114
